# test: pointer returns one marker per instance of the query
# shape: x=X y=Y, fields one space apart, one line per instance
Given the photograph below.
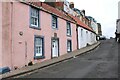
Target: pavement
x=47 y=63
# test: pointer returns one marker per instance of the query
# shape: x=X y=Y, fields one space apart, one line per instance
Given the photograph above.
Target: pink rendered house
x=34 y=31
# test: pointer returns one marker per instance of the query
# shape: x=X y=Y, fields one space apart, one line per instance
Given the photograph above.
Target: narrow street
x=99 y=63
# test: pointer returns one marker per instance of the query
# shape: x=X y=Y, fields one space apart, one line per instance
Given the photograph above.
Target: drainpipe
x=25 y=53
x=11 y=35
x=77 y=35
x=41 y=4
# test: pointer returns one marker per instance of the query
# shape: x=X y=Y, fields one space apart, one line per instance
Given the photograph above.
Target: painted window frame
x=43 y=47
x=68 y=40
x=56 y=22
x=69 y=31
x=37 y=16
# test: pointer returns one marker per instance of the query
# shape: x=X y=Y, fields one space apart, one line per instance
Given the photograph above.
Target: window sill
x=69 y=51
x=39 y=57
x=55 y=28
x=38 y=28
x=69 y=35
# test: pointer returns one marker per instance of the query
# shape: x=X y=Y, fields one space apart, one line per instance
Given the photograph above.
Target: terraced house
x=35 y=32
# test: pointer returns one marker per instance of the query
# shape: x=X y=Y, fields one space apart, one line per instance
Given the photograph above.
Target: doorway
x=55 y=48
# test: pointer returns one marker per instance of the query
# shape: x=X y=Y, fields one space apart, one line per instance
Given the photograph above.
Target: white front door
x=54 y=48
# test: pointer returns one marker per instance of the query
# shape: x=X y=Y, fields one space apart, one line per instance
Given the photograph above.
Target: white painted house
x=93 y=24
x=85 y=34
x=85 y=37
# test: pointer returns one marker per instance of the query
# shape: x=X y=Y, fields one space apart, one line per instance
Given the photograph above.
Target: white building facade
x=85 y=37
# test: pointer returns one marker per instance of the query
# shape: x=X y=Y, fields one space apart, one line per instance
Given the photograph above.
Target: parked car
x=4 y=70
x=102 y=38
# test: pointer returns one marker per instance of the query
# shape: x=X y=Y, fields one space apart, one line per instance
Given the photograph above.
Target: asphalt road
x=99 y=63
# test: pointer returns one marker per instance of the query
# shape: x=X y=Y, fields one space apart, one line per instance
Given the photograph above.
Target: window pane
x=68 y=45
x=38 y=46
x=35 y=21
x=68 y=29
x=34 y=17
x=54 y=22
x=36 y=49
x=32 y=20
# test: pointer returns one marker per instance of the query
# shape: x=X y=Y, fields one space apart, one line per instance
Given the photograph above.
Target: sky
x=104 y=12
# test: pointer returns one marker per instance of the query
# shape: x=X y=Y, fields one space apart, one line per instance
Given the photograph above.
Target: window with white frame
x=54 y=22
x=34 y=17
x=68 y=29
x=69 y=45
x=39 y=47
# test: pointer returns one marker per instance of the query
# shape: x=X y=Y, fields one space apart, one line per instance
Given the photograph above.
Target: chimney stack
x=59 y=4
x=71 y=5
x=83 y=11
